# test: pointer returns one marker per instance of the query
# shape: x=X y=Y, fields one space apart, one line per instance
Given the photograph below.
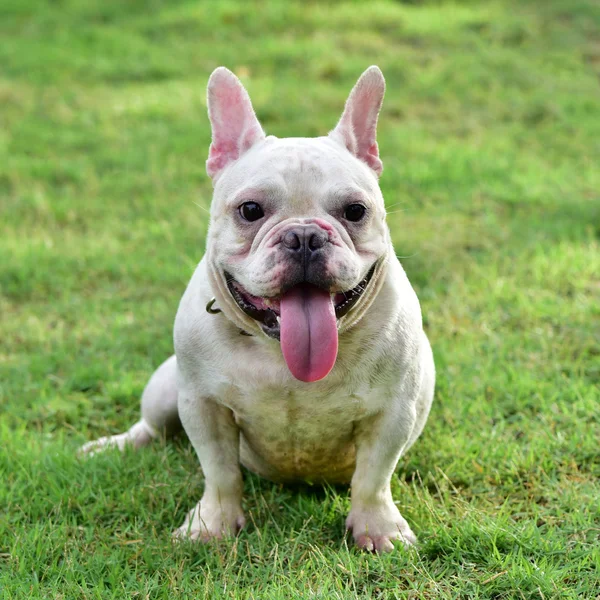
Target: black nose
x=305 y=240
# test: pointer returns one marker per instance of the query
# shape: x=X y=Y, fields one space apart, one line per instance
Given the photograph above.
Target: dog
x=299 y=346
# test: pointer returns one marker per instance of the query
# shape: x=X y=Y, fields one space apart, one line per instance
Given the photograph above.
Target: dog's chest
x=298 y=434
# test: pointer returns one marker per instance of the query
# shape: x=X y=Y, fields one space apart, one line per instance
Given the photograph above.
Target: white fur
x=234 y=394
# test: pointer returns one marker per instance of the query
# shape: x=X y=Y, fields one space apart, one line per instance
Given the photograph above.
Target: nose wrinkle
x=323 y=225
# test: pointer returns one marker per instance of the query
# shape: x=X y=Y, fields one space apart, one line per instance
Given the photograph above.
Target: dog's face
x=297 y=225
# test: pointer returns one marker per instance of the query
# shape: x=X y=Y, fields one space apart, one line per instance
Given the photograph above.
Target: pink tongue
x=309 y=339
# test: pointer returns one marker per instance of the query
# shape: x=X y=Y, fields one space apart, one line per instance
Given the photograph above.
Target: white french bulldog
x=299 y=346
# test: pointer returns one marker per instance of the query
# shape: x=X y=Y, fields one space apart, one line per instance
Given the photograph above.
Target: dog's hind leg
x=160 y=417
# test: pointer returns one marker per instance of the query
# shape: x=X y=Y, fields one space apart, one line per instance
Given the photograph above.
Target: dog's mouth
x=304 y=319
x=267 y=311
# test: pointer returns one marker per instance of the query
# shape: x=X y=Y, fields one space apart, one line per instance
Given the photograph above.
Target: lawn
x=490 y=137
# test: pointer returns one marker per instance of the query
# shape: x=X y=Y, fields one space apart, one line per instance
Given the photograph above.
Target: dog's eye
x=251 y=211
x=354 y=212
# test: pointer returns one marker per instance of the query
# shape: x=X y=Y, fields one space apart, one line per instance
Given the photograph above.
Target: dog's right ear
x=235 y=127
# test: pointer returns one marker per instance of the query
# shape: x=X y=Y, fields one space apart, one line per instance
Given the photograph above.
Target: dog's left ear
x=235 y=127
x=357 y=129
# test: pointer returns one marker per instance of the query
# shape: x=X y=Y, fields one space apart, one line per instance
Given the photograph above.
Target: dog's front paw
x=211 y=520
x=374 y=528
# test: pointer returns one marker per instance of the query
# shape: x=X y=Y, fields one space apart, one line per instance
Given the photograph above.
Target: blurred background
x=489 y=136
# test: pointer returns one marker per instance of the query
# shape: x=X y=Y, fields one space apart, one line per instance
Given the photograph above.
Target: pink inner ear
x=373 y=160
x=357 y=128
x=235 y=127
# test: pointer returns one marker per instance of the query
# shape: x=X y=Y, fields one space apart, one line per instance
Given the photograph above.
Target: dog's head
x=297 y=239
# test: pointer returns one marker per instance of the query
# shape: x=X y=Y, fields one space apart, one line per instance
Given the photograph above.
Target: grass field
x=490 y=137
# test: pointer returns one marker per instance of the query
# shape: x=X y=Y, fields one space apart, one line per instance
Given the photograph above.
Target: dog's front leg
x=215 y=436
x=374 y=519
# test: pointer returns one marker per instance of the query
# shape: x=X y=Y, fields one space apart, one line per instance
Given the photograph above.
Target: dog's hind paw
x=141 y=434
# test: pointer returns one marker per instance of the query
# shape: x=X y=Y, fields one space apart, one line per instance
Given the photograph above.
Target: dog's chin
x=266 y=310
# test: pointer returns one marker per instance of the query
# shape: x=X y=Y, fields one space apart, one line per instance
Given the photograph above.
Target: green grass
x=490 y=137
